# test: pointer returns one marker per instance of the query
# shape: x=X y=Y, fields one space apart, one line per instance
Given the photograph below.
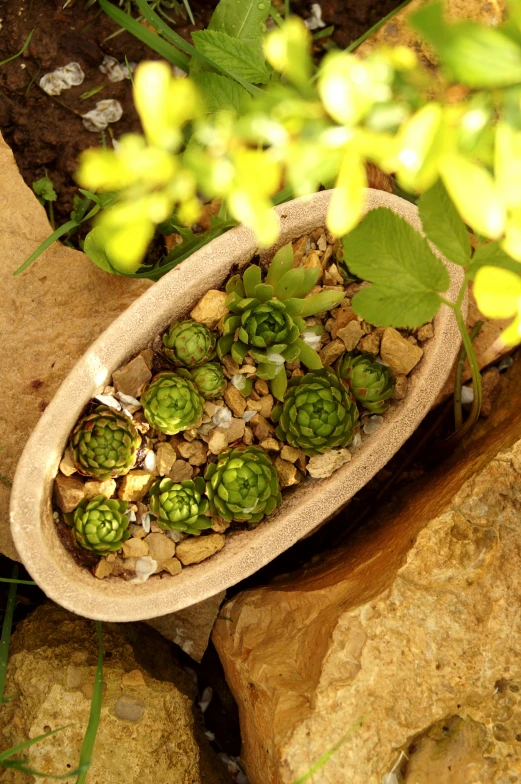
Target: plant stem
x=458 y=382
x=476 y=378
x=355 y=44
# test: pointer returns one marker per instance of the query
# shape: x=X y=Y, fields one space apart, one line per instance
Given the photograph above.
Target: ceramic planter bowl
x=302 y=510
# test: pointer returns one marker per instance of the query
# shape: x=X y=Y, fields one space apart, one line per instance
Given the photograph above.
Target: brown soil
x=48 y=133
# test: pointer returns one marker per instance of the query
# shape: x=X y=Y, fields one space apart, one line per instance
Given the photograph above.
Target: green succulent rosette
x=318 y=413
x=267 y=318
x=188 y=344
x=180 y=506
x=104 y=444
x=243 y=485
x=209 y=380
x=370 y=382
x=172 y=403
x=100 y=524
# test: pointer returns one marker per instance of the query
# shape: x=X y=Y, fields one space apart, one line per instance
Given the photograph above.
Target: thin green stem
x=355 y=44
x=22 y=50
x=458 y=380
x=6 y=631
x=476 y=378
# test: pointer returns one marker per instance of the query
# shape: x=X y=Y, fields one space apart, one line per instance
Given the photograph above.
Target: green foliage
x=104 y=444
x=232 y=54
x=100 y=524
x=443 y=224
x=44 y=189
x=221 y=92
x=172 y=403
x=188 y=344
x=210 y=381
x=370 y=382
x=245 y=20
x=180 y=506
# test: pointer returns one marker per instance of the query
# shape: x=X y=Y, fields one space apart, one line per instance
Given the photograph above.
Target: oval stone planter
x=302 y=510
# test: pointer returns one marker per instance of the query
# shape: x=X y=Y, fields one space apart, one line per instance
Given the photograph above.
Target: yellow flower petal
x=497 y=292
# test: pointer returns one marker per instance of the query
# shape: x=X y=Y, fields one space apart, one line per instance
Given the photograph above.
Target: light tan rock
x=161 y=548
x=61 y=304
x=93 y=488
x=231 y=367
x=68 y=491
x=153 y=724
x=173 y=566
x=261 y=427
x=67 y=464
x=199 y=548
x=234 y=400
x=148 y=356
x=166 y=456
x=342 y=316
x=248 y=436
x=236 y=429
x=190 y=628
x=414 y=626
x=262 y=387
x=370 y=343
x=181 y=470
x=135 y=548
x=312 y=261
x=270 y=444
x=287 y=472
x=133 y=377
x=299 y=249
x=135 y=485
x=401 y=384
x=332 y=276
x=401 y=355
x=426 y=332
x=266 y=405
x=350 y=335
x=218 y=440
x=322 y=466
x=195 y=452
x=211 y=308
x=290 y=454
x=103 y=569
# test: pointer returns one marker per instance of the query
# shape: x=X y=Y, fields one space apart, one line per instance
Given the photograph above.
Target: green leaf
x=251 y=279
x=290 y=283
x=264 y=292
x=310 y=279
x=396 y=306
x=244 y=20
x=280 y=264
x=232 y=54
x=308 y=356
x=324 y=300
x=475 y=55
x=385 y=249
x=491 y=255
x=94 y=248
x=222 y=92
x=443 y=226
x=279 y=383
x=44 y=189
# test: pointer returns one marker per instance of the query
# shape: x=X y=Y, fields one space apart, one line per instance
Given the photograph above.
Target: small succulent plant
x=172 y=403
x=188 y=344
x=318 y=413
x=209 y=380
x=267 y=319
x=104 y=444
x=243 y=485
x=100 y=524
x=180 y=506
x=370 y=382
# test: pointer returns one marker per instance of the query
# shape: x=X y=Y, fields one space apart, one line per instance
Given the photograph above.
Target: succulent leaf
x=104 y=444
x=188 y=343
x=100 y=524
x=209 y=380
x=370 y=382
x=280 y=264
x=172 y=403
x=180 y=506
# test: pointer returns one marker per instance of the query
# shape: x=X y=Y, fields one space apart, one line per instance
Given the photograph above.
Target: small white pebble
x=372 y=425
x=146 y=522
x=131 y=516
x=222 y=417
x=206 y=698
x=109 y=401
x=239 y=381
x=355 y=443
x=275 y=359
x=56 y=515
x=210 y=735
x=150 y=462
x=176 y=536
x=390 y=778
x=249 y=415
x=107 y=111
x=127 y=400
x=505 y=363
x=61 y=79
x=315 y=20
x=467 y=396
x=145 y=566
x=311 y=339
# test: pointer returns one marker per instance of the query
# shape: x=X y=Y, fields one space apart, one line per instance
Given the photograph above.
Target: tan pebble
x=94 y=488
x=261 y=427
x=235 y=430
x=135 y=485
x=160 y=548
x=330 y=323
x=211 y=308
x=267 y=403
x=323 y=466
x=299 y=249
x=173 y=565
x=234 y=400
x=248 y=370
x=68 y=491
x=400 y=387
x=74 y=676
x=412 y=340
x=248 y=436
x=332 y=351
x=312 y=261
x=111 y=557
x=210 y=407
x=290 y=454
x=181 y=470
x=67 y=464
x=219 y=525
x=134 y=548
x=370 y=344
x=261 y=387
x=342 y=315
x=398 y=353
x=148 y=356
x=155 y=528
x=88 y=689
x=133 y=377
x=195 y=452
x=327 y=255
x=332 y=276
x=287 y=472
x=350 y=335
x=231 y=367
x=253 y=405
x=165 y=458
x=298 y=373
x=426 y=332
x=197 y=548
x=218 y=441
x=136 y=531
x=133 y=678
x=190 y=434
x=270 y=444
x=254 y=395
x=322 y=242
x=103 y=569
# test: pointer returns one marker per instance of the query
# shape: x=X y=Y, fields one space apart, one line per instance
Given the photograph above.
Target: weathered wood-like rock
x=412 y=627
x=147 y=730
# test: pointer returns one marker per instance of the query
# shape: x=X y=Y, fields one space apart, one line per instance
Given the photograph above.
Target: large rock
x=147 y=731
x=49 y=317
x=406 y=638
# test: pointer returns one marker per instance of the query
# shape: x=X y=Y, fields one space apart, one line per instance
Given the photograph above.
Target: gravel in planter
x=270 y=383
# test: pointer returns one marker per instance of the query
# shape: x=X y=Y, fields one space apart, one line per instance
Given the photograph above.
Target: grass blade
x=46 y=244
x=16 y=582
x=355 y=44
x=22 y=50
x=95 y=714
x=189 y=11
x=26 y=743
x=149 y=38
x=6 y=631
x=327 y=756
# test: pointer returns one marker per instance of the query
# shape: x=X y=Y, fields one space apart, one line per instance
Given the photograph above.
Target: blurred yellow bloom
x=498 y=295
x=288 y=50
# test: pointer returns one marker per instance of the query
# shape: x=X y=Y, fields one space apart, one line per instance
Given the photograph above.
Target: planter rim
x=173 y=296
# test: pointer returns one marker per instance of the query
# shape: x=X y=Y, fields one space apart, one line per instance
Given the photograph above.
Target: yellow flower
x=498 y=294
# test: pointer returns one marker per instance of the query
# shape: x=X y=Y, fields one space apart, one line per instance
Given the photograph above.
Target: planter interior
x=33 y=528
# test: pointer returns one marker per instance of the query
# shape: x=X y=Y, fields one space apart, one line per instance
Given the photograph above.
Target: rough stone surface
x=135 y=485
x=165 y=458
x=333 y=350
x=133 y=377
x=68 y=491
x=181 y=470
x=199 y=548
x=146 y=716
x=350 y=335
x=491 y=387
x=135 y=548
x=399 y=353
x=67 y=464
x=413 y=625
x=93 y=488
x=161 y=548
x=49 y=316
x=322 y=466
x=287 y=473
x=211 y=308
x=191 y=628
x=234 y=400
